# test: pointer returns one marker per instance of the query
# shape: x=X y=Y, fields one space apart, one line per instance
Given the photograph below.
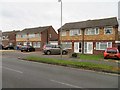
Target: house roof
x=91 y=23
x=34 y=30
x=9 y=32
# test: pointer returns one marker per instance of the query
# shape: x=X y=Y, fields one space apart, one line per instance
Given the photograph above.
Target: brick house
x=37 y=36
x=91 y=36
x=9 y=38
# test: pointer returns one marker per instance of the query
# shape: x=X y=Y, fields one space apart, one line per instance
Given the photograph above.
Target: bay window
x=103 y=45
x=36 y=44
x=67 y=45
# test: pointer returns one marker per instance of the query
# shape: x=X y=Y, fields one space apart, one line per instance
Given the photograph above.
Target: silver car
x=53 y=49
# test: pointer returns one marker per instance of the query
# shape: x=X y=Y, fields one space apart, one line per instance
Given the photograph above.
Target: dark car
x=27 y=48
x=1 y=47
x=53 y=49
x=112 y=53
x=9 y=47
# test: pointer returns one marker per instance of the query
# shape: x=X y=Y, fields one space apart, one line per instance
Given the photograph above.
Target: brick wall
x=100 y=36
x=11 y=39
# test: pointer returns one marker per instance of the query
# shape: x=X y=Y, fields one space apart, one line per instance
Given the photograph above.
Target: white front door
x=76 y=47
x=88 y=47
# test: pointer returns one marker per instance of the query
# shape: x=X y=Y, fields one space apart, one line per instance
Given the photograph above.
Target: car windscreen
x=24 y=46
x=111 y=51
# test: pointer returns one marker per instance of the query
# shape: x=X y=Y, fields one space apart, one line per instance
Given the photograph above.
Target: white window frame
x=67 y=44
x=36 y=44
x=89 y=31
x=24 y=36
x=98 y=46
x=50 y=35
x=17 y=36
x=109 y=27
x=72 y=31
x=31 y=35
x=37 y=35
x=25 y=43
x=63 y=33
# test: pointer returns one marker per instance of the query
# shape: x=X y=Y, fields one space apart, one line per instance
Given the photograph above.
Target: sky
x=21 y=14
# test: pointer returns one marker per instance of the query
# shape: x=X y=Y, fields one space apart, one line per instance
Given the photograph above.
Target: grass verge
x=74 y=64
x=90 y=57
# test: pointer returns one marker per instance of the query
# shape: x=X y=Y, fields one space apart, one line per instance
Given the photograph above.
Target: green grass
x=74 y=64
x=90 y=57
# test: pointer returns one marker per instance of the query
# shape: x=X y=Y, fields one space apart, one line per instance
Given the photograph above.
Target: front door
x=77 y=47
x=88 y=47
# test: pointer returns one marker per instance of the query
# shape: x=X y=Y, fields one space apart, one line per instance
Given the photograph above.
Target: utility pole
x=61 y=30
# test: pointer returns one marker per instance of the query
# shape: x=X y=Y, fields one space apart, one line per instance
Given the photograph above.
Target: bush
x=75 y=55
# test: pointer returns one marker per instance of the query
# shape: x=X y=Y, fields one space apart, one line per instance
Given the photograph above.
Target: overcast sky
x=20 y=14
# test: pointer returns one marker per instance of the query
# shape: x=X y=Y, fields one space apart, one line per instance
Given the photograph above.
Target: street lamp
x=61 y=29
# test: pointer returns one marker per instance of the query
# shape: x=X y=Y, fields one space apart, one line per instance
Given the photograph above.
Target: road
x=18 y=73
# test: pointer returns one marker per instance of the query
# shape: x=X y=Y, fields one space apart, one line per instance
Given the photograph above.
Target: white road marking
x=12 y=70
x=65 y=84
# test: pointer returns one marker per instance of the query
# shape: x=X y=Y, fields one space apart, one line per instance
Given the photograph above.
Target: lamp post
x=61 y=30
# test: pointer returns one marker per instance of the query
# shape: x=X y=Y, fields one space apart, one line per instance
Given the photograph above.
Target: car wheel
x=8 y=48
x=21 y=50
x=64 y=52
x=48 y=52
x=105 y=57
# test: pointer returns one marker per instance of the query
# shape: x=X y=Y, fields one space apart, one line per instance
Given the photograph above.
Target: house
x=89 y=37
x=36 y=37
x=9 y=38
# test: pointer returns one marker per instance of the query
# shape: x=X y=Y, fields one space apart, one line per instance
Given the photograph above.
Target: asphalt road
x=25 y=74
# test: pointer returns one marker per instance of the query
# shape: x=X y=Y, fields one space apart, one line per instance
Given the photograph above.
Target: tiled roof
x=34 y=30
x=91 y=23
x=8 y=33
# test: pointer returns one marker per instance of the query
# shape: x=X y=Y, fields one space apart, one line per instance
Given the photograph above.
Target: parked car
x=112 y=53
x=1 y=47
x=8 y=47
x=18 y=47
x=53 y=49
x=27 y=48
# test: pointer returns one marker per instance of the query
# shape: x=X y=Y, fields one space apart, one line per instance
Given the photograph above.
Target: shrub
x=75 y=55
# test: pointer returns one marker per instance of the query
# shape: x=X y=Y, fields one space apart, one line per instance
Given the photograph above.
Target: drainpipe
x=83 y=32
x=47 y=36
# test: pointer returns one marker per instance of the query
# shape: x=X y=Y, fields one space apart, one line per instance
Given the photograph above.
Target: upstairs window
x=108 y=30
x=18 y=36
x=63 y=33
x=92 y=31
x=50 y=35
x=31 y=35
x=24 y=36
x=75 y=32
x=37 y=35
x=4 y=37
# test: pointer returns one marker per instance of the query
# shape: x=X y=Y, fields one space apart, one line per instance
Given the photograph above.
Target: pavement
x=25 y=74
